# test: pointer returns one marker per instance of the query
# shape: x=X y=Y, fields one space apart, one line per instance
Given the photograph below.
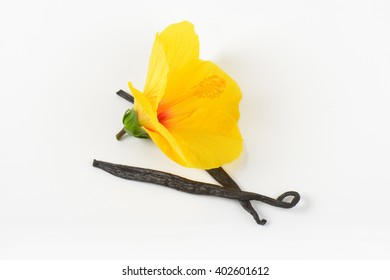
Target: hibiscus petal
x=208 y=139
x=181 y=44
x=156 y=79
x=173 y=49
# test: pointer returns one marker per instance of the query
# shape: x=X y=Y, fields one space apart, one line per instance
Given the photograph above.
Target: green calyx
x=131 y=125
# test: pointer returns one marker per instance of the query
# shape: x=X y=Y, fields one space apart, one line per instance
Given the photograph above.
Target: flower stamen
x=210 y=87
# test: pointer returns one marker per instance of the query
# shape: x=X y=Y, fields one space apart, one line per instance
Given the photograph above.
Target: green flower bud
x=131 y=126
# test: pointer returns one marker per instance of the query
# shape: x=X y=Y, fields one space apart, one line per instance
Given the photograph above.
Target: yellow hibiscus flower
x=189 y=107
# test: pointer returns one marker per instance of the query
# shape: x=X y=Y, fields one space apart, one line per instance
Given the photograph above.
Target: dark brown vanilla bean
x=125 y=95
x=189 y=186
x=220 y=175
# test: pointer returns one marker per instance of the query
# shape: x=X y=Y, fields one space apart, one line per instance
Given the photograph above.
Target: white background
x=314 y=116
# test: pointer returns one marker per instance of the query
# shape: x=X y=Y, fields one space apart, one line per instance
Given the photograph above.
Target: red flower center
x=163 y=116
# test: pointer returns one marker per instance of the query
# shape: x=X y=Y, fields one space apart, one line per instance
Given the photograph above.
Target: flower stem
x=189 y=186
x=120 y=134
